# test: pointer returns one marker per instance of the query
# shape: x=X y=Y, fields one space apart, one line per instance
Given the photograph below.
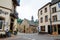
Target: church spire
x=32 y=19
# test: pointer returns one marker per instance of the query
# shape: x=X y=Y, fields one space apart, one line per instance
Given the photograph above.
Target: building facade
x=55 y=16
x=49 y=15
x=44 y=13
x=28 y=26
x=8 y=15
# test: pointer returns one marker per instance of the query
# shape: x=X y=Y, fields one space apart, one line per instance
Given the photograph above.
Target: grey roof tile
x=54 y=1
x=31 y=23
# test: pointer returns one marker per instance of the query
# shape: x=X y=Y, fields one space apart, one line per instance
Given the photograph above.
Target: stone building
x=8 y=15
x=28 y=26
x=49 y=16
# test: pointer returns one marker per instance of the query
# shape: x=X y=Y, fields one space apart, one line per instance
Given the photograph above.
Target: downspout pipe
x=50 y=21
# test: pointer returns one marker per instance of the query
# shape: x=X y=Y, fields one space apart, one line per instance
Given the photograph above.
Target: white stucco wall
x=57 y=13
x=4 y=6
x=48 y=13
x=43 y=15
x=46 y=28
x=6 y=17
x=58 y=9
x=6 y=3
x=15 y=25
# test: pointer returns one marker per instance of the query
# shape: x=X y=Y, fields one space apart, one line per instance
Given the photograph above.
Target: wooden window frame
x=54 y=17
x=41 y=20
x=54 y=10
x=46 y=19
x=41 y=12
x=45 y=9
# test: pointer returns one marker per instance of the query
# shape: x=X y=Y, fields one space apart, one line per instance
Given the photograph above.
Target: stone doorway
x=11 y=24
x=48 y=29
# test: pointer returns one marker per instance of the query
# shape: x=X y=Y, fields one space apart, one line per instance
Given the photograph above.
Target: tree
x=19 y=21
x=36 y=21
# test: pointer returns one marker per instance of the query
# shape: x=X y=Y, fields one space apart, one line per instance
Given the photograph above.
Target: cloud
x=30 y=7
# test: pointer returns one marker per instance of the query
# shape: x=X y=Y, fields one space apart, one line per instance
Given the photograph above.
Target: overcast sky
x=30 y=8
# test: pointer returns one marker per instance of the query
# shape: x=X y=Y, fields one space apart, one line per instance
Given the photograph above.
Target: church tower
x=32 y=19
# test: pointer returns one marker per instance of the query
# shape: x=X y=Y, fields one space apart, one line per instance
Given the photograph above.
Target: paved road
x=35 y=36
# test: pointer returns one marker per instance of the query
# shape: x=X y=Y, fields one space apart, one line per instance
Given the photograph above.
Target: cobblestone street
x=35 y=36
x=30 y=20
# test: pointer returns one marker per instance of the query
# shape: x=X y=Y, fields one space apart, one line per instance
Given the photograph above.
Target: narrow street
x=24 y=19
x=35 y=36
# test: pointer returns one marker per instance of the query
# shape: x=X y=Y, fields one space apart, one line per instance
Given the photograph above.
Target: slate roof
x=45 y=5
x=32 y=23
x=54 y=1
x=51 y=3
